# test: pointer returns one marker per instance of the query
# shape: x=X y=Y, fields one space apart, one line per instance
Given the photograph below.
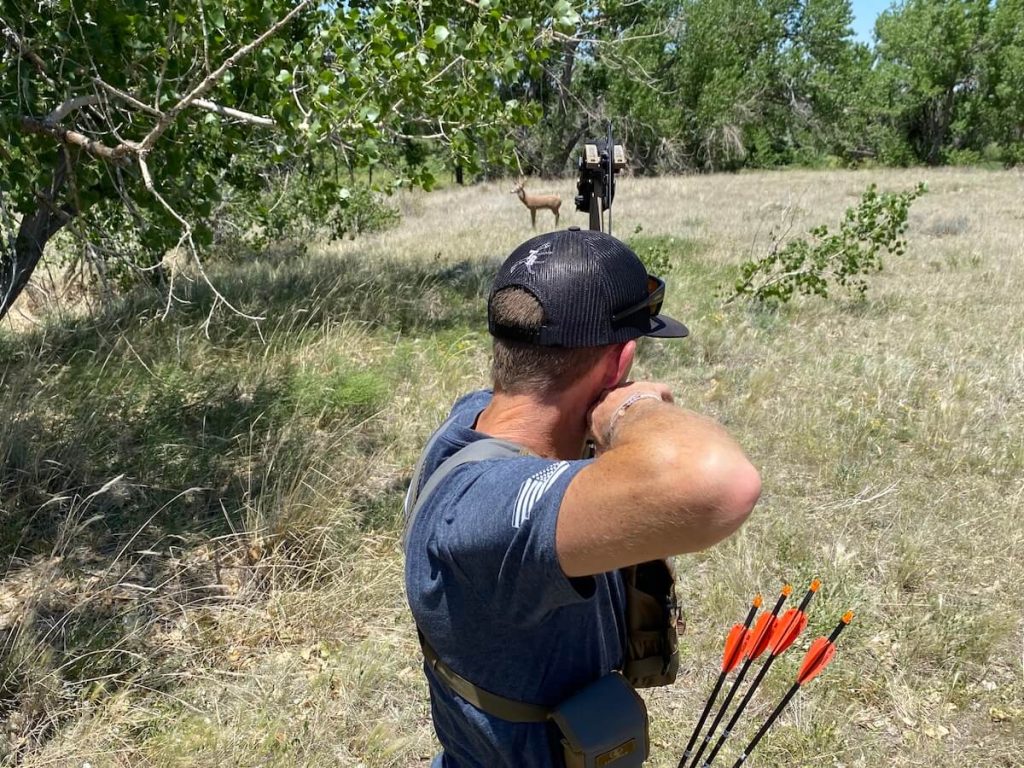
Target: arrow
x=787 y=630
x=756 y=643
x=734 y=645
x=817 y=658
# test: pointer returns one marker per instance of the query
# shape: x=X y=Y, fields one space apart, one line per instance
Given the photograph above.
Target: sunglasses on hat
x=655 y=298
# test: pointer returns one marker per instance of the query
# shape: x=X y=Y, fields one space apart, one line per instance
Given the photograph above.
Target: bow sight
x=598 y=163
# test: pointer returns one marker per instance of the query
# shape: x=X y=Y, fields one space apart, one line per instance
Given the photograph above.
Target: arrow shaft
x=739 y=710
x=733 y=653
x=768 y=724
x=721 y=712
x=703 y=718
x=839 y=628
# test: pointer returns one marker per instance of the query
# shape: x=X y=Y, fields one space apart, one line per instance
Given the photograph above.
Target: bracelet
x=629 y=401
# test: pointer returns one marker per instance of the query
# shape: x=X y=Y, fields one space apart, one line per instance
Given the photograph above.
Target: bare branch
x=206 y=38
x=126 y=97
x=209 y=106
x=295 y=97
x=70 y=106
x=208 y=82
x=95 y=148
x=20 y=47
x=171 y=25
x=186 y=237
x=237 y=114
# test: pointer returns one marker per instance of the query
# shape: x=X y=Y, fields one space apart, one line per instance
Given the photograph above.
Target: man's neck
x=547 y=428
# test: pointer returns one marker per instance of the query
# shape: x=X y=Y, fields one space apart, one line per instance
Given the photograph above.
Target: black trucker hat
x=593 y=289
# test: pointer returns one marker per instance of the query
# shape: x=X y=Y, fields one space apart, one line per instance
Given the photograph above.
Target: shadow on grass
x=208 y=425
x=291 y=294
x=125 y=393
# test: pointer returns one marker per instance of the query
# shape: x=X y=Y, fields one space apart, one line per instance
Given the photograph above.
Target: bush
x=963 y=157
x=810 y=265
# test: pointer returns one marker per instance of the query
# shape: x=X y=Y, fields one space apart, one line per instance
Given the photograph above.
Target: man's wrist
x=629 y=402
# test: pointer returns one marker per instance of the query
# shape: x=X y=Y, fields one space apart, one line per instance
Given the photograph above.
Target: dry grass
x=890 y=434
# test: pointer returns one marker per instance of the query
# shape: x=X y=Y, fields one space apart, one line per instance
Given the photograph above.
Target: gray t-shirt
x=487 y=591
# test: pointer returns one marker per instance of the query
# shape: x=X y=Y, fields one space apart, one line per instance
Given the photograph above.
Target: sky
x=864 y=14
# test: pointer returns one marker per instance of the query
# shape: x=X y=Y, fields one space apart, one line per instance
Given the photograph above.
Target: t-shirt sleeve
x=498 y=533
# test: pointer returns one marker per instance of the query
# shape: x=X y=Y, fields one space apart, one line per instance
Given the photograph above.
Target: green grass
x=200 y=519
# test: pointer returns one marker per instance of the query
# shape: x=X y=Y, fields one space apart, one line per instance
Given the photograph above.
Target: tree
x=754 y=82
x=928 y=53
x=137 y=126
x=827 y=78
x=1002 y=79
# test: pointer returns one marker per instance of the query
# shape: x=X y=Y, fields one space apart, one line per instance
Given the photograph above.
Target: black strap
x=479 y=450
x=491 y=703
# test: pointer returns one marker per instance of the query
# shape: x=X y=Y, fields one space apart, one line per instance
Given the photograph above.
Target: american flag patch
x=532 y=489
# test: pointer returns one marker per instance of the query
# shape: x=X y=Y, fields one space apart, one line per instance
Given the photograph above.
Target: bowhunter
x=535 y=576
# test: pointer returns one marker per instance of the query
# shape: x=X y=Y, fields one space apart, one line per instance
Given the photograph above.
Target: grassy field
x=199 y=522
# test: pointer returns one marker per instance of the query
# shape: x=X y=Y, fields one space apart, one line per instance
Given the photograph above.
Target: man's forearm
x=667 y=481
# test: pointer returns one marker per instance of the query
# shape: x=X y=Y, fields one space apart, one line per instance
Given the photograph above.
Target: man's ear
x=619 y=364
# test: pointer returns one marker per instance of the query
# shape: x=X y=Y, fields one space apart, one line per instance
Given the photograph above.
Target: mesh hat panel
x=581 y=279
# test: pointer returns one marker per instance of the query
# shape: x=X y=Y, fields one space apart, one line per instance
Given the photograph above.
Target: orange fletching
x=759 y=637
x=733 y=647
x=818 y=656
x=787 y=630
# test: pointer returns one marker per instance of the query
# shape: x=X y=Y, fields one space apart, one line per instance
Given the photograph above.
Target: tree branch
x=209 y=106
x=208 y=82
x=70 y=106
x=126 y=97
x=21 y=48
x=237 y=114
x=95 y=148
x=186 y=237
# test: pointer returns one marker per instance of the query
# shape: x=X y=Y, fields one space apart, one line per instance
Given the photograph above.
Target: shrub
x=811 y=265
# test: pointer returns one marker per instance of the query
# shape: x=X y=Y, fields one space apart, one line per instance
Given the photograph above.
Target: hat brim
x=664 y=327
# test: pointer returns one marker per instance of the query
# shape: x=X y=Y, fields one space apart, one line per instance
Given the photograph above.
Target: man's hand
x=616 y=402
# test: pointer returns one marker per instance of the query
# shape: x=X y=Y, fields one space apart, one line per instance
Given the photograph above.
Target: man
x=511 y=562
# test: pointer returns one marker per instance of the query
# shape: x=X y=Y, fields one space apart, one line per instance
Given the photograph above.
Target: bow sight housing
x=598 y=163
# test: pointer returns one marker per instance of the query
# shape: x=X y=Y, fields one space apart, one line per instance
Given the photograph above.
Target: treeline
x=722 y=84
x=214 y=125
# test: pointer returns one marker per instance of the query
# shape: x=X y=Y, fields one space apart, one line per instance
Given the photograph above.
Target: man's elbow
x=734 y=486
x=741 y=492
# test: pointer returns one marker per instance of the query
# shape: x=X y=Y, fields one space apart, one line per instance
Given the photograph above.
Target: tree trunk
x=34 y=232
x=570 y=145
x=565 y=83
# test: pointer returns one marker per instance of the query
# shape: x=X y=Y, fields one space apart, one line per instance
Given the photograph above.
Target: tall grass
x=199 y=520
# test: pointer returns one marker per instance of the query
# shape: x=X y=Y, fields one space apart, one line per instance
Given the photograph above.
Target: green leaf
x=440 y=33
x=216 y=16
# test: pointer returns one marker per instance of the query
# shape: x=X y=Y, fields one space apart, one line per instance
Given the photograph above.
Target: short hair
x=519 y=367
